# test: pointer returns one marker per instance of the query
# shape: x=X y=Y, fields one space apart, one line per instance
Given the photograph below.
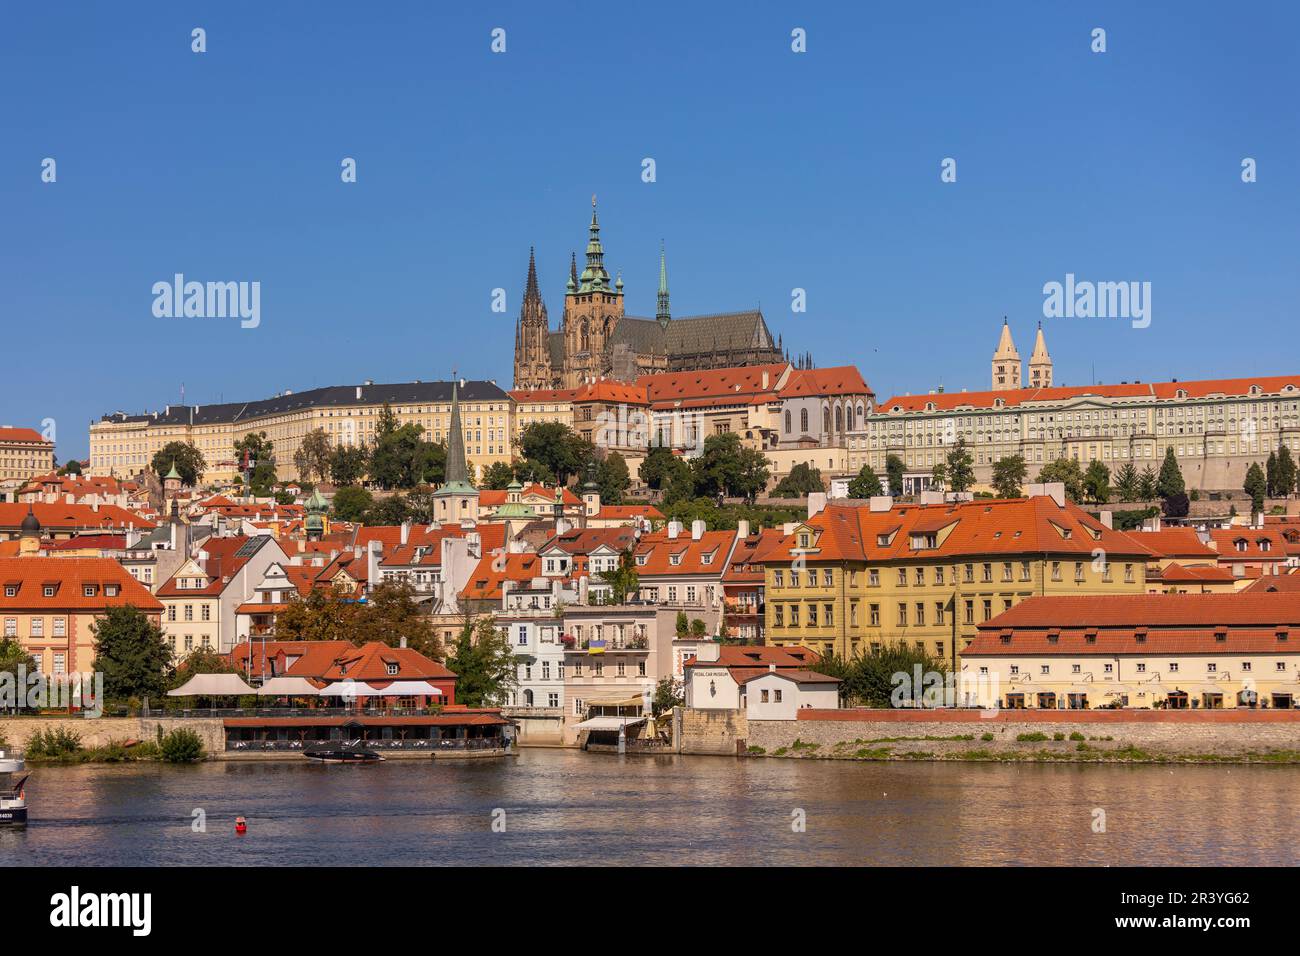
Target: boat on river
x=13 y=796
x=351 y=751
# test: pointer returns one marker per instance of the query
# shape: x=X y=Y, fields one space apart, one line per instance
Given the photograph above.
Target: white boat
x=13 y=799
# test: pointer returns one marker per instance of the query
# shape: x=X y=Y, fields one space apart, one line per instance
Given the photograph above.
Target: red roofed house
x=1146 y=650
x=768 y=683
x=24 y=453
x=49 y=604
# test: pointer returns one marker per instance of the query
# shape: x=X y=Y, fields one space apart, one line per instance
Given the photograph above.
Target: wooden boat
x=351 y=751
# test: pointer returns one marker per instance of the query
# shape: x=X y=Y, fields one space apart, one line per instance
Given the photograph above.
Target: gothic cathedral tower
x=1006 y=362
x=592 y=308
x=532 y=337
x=1040 y=363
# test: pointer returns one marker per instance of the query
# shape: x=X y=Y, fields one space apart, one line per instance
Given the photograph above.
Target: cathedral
x=596 y=339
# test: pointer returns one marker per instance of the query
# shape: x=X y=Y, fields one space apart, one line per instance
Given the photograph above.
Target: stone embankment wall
x=714 y=731
x=1162 y=733
x=96 y=732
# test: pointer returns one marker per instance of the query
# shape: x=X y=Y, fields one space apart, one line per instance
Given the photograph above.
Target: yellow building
x=1174 y=651
x=866 y=574
x=125 y=444
x=24 y=453
x=541 y=405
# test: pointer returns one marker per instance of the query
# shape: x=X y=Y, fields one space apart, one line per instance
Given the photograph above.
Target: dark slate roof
x=555 y=345
x=643 y=336
x=693 y=334
x=330 y=396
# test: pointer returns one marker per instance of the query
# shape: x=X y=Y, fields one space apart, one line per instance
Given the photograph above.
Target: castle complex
x=597 y=340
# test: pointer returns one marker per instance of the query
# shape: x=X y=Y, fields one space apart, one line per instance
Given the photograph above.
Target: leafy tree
x=961 y=467
x=624 y=579
x=681 y=487
x=1286 y=472
x=802 y=481
x=657 y=466
x=1170 y=482
x=71 y=467
x=348 y=464
x=188 y=460
x=1096 y=482
x=484 y=664
x=12 y=657
x=1147 y=484
x=420 y=505
x=939 y=474
x=683 y=624
x=351 y=503
x=1256 y=486
x=669 y=693
x=261 y=452
x=391 y=612
x=314 y=456
x=132 y=653
x=698 y=628
x=612 y=479
x=558 y=447
x=866 y=484
x=1270 y=472
x=205 y=660
x=894 y=473
x=1009 y=475
x=725 y=466
x=1127 y=482
x=869 y=679
x=1175 y=506
x=323 y=615
x=387 y=511
x=396 y=461
x=532 y=471
x=430 y=463
x=1066 y=471
x=497 y=476
x=182 y=745
x=726 y=517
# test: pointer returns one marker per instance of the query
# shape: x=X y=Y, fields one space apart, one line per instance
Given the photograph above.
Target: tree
x=657 y=466
x=1127 y=482
x=725 y=466
x=1176 y=505
x=1286 y=472
x=484 y=664
x=1009 y=475
x=188 y=460
x=12 y=657
x=668 y=694
x=558 y=447
x=612 y=478
x=961 y=470
x=314 y=456
x=204 y=660
x=1096 y=482
x=1256 y=486
x=1066 y=471
x=420 y=505
x=802 y=481
x=894 y=472
x=939 y=475
x=351 y=503
x=532 y=471
x=132 y=653
x=261 y=452
x=399 y=459
x=1147 y=484
x=348 y=464
x=71 y=467
x=391 y=612
x=683 y=625
x=498 y=476
x=623 y=580
x=1271 y=477
x=323 y=615
x=1170 y=482
x=869 y=679
x=387 y=511
x=866 y=484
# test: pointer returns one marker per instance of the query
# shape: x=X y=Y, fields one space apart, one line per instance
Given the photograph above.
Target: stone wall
x=1223 y=733
x=95 y=732
x=713 y=731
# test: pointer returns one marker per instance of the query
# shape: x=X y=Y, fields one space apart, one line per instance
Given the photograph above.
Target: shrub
x=1075 y=735
x=986 y=736
x=1035 y=737
x=59 y=742
x=757 y=751
x=182 y=745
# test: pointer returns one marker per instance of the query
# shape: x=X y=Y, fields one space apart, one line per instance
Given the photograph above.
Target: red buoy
x=241 y=825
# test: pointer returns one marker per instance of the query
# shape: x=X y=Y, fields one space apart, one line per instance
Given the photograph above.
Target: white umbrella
x=411 y=688
x=288 y=687
x=349 y=688
x=212 y=685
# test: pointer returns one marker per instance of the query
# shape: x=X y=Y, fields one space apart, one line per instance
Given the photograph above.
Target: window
x=828 y=614
x=60 y=627
x=902 y=615
x=1173 y=667
x=970 y=612
x=38 y=627
x=391 y=668
x=763 y=696
x=988 y=609
x=875 y=615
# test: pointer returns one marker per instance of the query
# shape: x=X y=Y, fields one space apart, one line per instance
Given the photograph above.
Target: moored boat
x=13 y=797
x=352 y=751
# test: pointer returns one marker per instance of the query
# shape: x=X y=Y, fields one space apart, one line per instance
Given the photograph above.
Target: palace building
x=597 y=339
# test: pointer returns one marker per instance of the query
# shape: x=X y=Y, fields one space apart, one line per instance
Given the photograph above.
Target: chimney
x=771 y=668
x=1108 y=519
x=816 y=503
x=674 y=529
x=372 y=564
x=742 y=528
x=697 y=529
x=881 y=502
x=402 y=643
x=406 y=530
x=764 y=379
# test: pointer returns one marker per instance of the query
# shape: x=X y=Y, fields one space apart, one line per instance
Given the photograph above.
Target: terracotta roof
x=628 y=512
x=367 y=663
x=224 y=558
x=534 y=396
x=100 y=542
x=1227 y=387
x=587 y=540
x=485 y=582
x=659 y=555
x=1276 y=582
x=1173 y=543
x=1175 y=572
x=723 y=386
x=72 y=575
x=838 y=380
x=22 y=435
x=743 y=675
x=610 y=391
x=1261 y=544
x=65 y=517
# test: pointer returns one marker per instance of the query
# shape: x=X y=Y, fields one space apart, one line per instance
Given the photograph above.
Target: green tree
x=1256 y=486
x=725 y=466
x=802 y=481
x=393 y=612
x=388 y=511
x=71 y=467
x=668 y=694
x=866 y=484
x=420 y=505
x=314 y=456
x=1096 y=482
x=261 y=452
x=532 y=471
x=961 y=467
x=351 y=503
x=132 y=654
x=1009 y=475
x=939 y=475
x=558 y=447
x=657 y=468
x=1286 y=472
x=1170 y=482
x=884 y=676
x=12 y=657
x=1147 y=484
x=398 y=459
x=624 y=579
x=497 y=476
x=612 y=479
x=683 y=625
x=188 y=460
x=1066 y=471
x=348 y=464
x=1127 y=482
x=484 y=664
x=894 y=473
x=1270 y=472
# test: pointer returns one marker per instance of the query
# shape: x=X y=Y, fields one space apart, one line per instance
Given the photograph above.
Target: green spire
x=457 y=470
x=594 y=277
x=173 y=473
x=663 y=314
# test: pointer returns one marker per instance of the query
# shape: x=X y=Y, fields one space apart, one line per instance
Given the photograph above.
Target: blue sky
x=775 y=171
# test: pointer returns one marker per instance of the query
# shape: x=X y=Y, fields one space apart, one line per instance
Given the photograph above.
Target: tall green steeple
x=594 y=277
x=662 y=313
x=457 y=469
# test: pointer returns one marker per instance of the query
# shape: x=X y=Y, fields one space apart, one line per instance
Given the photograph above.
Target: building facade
x=24 y=453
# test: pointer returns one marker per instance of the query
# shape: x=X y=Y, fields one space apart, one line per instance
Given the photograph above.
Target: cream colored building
x=541 y=405
x=24 y=453
x=123 y=444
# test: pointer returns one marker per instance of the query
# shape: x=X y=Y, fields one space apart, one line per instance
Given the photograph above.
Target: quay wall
x=721 y=732
x=98 y=731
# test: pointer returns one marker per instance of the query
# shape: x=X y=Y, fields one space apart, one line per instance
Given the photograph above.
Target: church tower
x=1040 y=363
x=593 y=307
x=456 y=499
x=1006 y=362
x=663 y=314
x=532 y=336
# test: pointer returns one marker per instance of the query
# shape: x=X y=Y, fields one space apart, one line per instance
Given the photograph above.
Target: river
x=568 y=807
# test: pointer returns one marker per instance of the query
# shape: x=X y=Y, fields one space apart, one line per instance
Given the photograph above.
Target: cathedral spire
x=530 y=287
x=1040 y=362
x=572 y=284
x=663 y=313
x=457 y=470
x=594 y=277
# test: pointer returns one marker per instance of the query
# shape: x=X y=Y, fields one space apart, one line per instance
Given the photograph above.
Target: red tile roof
x=72 y=575
x=616 y=392
x=220 y=566
x=62 y=518
x=659 y=555
x=1174 y=543
x=706 y=387
x=1176 y=573
x=839 y=380
x=22 y=435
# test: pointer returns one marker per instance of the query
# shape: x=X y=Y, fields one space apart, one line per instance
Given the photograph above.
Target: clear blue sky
x=775 y=171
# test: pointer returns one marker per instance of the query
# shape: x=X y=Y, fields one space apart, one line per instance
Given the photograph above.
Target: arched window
x=839 y=419
x=826 y=420
x=848 y=418
x=787 y=420
x=803 y=420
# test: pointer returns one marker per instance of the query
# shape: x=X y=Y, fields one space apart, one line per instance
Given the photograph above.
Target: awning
x=636 y=701
x=288 y=687
x=351 y=688
x=411 y=688
x=608 y=723
x=212 y=685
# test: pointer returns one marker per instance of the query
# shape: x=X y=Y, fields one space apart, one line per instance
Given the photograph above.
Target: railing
x=208 y=712
x=300 y=746
x=524 y=711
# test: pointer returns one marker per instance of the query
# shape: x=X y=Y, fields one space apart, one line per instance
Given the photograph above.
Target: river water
x=568 y=807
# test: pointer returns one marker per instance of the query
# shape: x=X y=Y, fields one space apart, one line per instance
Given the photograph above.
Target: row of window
x=36 y=627
x=914 y=615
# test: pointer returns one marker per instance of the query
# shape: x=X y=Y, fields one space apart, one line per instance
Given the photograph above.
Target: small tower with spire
x=29 y=534
x=1040 y=362
x=317 y=522
x=593 y=307
x=172 y=482
x=456 y=500
x=1006 y=362
x=663 y=314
